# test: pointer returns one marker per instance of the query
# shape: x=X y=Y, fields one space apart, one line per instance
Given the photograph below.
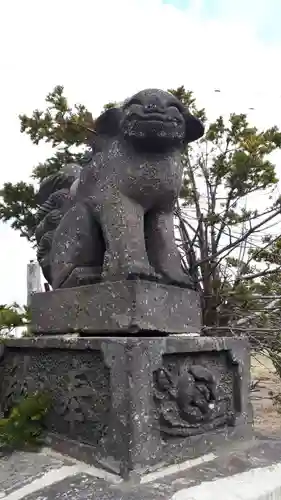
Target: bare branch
x=223 y=222
x=239 y=240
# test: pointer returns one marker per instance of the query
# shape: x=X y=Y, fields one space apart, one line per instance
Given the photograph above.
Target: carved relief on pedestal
x=190 y=401
x=78 y=387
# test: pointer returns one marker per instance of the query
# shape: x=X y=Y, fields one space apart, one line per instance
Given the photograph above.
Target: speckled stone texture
x=123 y=402
x=120 y=307
x=115 y=218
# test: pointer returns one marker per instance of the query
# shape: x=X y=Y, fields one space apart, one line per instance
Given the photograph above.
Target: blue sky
x=263 y=15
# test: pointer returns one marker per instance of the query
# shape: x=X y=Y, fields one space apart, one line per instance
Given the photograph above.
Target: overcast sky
x=105 y=50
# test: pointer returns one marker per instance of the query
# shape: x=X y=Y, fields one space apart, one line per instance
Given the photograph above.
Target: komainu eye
x=133 y=101
x=177 y=105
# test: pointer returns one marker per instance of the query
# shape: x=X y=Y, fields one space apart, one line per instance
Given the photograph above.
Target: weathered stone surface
x=108 y=407
x=117 y=308
x=114 y=218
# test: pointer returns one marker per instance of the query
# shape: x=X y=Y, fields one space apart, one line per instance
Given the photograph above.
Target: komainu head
x=151 y=120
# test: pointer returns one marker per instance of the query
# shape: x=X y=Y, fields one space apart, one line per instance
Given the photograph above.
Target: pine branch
x=259 y=274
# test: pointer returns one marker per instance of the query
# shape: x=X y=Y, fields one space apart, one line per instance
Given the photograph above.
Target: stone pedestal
x=129 y=404
x=117 y=308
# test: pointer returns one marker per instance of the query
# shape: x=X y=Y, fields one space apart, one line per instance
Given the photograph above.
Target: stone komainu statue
x=113 y=218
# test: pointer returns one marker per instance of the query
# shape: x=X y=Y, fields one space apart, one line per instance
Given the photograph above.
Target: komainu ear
x=108 y=123
x=194 y=127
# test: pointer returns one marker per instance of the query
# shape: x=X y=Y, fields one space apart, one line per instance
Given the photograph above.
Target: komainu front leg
x=122 y=225
x=162 y=250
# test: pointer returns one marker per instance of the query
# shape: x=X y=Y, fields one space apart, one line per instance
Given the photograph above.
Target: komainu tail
x=54 y=198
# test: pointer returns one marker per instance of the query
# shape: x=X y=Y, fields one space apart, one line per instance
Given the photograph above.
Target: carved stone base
x=133 y=404
x=117 y=308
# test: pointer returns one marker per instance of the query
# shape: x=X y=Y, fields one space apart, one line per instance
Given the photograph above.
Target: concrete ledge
x=255 y=484
x=250 y=470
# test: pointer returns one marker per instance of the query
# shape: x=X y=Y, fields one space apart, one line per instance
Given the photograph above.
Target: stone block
x=132 y=404
x=121 y=307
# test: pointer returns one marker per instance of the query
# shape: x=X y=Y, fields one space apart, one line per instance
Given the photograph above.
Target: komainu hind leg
x=162 y=250
x=77 y=249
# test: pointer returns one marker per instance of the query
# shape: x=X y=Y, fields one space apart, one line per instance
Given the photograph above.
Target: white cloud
x=106 y=50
